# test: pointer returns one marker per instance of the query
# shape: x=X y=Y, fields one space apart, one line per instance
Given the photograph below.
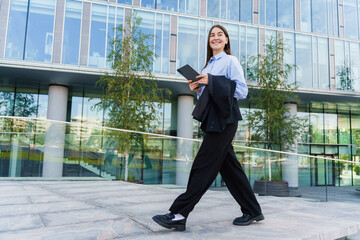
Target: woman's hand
x=204 y=79
x=194 y=86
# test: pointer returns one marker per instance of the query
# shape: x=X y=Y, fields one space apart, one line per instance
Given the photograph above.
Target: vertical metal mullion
x=88 y=47
x=81 y=21
x=154 y=41
x=63 y=33
x=318 y=62
x=26 y=28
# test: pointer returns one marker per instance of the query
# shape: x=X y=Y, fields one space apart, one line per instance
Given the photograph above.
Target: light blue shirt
x=227 y=65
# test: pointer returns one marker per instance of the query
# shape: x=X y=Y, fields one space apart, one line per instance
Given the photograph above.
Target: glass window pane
x=286 y=14
x=7 y=101
x=76 y=108
x=98 y=36
x=223 y=9
x=202 y=44
x=16 y=29
x=26 y=104
x=233 y=31
x=344 y=128
x=168 y=5
x=289 y=57
x=340 y=68
x=128 y=2
x=42 y=105
x=303 y=61
x=72 y=26
x=315 y=58
x=355 y=65
x=158 y=41
x=148 y=3
x=319 y=16
x=330 y=128
x=305 y=16
x=243 y=59
x=39 y=36
x=110 y=33
x=271 y=13
x=262 y=12
x=246 y=11
x=166 y=44
x=233 y=12
x=147 y=26
x=324 y=74
x=317 y=127
x=351 y=19
x=188 y=29
x=192 y=7
x=213 y=8
x=333 y=17
x=252 y=44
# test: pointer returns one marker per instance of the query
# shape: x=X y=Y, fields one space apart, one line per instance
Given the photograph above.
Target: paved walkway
x=79 y=210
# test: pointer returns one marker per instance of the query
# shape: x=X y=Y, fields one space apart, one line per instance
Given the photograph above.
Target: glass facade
x=327 y=60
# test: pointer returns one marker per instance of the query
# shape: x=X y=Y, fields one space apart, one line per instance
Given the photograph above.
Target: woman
x=222 y=81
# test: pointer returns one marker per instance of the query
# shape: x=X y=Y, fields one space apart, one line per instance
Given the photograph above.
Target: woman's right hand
x=194 y=86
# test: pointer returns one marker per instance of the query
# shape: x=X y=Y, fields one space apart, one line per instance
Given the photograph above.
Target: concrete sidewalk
x=118 y=210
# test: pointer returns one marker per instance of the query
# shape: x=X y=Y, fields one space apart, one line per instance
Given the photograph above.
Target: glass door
x=324 y=171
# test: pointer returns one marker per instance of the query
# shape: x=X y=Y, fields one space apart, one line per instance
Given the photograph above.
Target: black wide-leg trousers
x=216 y=154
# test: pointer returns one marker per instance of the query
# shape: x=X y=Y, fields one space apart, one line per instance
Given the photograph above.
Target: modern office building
x=53 y=52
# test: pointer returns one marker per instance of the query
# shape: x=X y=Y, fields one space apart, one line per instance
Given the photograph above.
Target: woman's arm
x=236 y=73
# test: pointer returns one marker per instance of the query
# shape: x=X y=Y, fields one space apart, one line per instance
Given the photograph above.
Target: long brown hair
x=227 y=47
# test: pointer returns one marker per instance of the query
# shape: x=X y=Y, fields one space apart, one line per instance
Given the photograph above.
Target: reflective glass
x=166 y=44
x=147 y=26
x=333 y=17
x=7 y=101
x=233 y=12
x=271 y=13
x=110 y=33
x=39 y=36
x=289 y=55
x=72 y=26
x=148 y=3
x=158 y=42
x=223 y=9
x=98 y=36
x=315 y=63
x=351 y=25
x=168 y=5
x=233 y=31
x=262 y=12
x=188 y=29
x=26 y=103
x=303 y=61
x=16 y=29
x=285 y=14
x=331 y=128
x=344 y=128
x=90 y=114
x=42 y=104
x=192 y=7
x=341 y=69
x=76 y=107
x=317 y=127
x=213 y=8
x=243 y=59
x=305 y=15
x=128 y=2
x=324 y=74
x=355 y=65
x=246 y=11
x=319 y=16
x=252 y=43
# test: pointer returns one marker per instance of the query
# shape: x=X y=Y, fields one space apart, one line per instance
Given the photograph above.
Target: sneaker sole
x=257 y=219
x=165 y=225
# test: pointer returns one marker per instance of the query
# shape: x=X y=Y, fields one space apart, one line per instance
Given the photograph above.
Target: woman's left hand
x=204 y=79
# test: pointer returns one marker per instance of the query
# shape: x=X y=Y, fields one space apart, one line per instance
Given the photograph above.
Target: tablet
x=188 y=72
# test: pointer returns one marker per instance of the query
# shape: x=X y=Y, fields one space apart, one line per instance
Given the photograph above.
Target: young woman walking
x=219 y=87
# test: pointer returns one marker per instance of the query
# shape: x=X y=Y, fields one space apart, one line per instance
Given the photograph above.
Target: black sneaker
x=167 y=222
x=246 y=219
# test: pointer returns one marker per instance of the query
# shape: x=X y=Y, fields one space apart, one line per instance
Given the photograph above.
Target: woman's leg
x=205 y=168
x=238 y=184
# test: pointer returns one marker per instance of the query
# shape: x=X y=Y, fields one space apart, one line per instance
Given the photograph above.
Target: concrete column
x=290 y=169
x=55 y=134
x=184 y=147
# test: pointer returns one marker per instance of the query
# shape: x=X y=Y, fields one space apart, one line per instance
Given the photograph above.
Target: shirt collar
x=218 y=56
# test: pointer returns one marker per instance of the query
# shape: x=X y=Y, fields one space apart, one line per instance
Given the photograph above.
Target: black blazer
x=217 y=105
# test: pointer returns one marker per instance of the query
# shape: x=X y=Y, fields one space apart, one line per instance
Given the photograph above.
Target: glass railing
x=50 y=149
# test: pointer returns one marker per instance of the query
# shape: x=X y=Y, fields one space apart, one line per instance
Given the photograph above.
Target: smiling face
x=217 y=40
